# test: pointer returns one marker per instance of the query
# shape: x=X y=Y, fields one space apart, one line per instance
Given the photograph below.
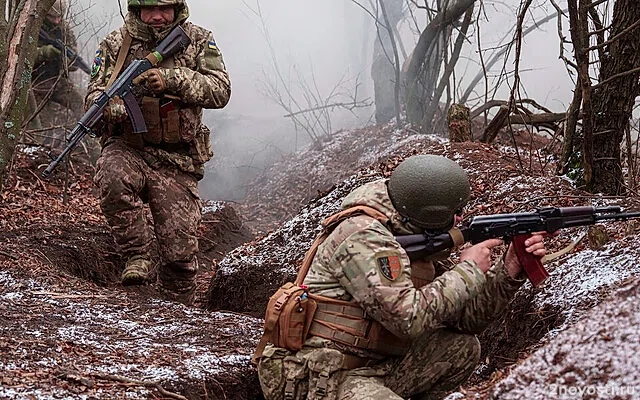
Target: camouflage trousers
x=125 y=182
x=436 y=363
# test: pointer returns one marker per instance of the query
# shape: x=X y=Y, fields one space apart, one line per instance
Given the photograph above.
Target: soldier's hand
x=481 y=253
x=534 y=245
x=115 y=111
x=153 y=79
x=48 y=52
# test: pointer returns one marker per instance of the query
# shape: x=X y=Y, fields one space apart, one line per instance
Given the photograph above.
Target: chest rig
x=161 y=114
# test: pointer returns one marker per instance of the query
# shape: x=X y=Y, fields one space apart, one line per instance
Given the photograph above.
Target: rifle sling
x=550 y=257
x=122 y=56
x=328 y=225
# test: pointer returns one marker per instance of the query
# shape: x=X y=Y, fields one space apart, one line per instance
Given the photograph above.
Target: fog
x=317 y=43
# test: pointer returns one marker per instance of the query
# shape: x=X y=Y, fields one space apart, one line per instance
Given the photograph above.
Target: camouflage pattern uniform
x=440 y=313
x=132 y=170
x=51 y=78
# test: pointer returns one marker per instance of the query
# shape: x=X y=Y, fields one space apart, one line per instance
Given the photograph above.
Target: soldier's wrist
x=473 y=276
x=170 y=79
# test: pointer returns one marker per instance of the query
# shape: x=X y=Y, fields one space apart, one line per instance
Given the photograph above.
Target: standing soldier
x=162 y=166
x=386 y=327
x=50 y=76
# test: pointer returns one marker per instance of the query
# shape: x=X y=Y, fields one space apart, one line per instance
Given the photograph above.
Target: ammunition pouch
x=163 y=120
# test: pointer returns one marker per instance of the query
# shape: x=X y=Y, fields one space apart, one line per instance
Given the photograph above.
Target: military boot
x=136 y=271
x=176 y=281
x=185 y=294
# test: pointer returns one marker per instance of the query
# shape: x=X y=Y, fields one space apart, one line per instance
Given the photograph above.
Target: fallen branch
x=147 y=384
x=9 y=255
x=349 y=106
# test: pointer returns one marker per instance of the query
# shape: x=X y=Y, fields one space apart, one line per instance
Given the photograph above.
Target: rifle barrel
x=618 y=216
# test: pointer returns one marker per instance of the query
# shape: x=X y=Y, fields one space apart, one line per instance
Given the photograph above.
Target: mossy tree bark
x=613 y=100
x=19 y=26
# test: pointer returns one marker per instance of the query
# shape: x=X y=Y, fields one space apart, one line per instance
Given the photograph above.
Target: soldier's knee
x=466 y=352
x=178 y=250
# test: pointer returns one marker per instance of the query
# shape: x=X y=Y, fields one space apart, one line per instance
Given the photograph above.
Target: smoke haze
x=318 y=44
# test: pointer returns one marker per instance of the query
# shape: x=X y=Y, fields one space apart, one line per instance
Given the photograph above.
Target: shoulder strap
x=328 y=225
x=122 y=56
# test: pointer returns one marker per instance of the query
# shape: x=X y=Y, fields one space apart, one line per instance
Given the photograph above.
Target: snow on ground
x=597 y=358
x=585 y=277
x=58 y=329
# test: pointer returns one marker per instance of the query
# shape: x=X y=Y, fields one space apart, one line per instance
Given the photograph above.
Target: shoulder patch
x=389 y=266
x=97 y=64
x=213 y=56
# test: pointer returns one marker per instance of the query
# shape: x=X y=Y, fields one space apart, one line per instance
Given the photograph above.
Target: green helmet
x=152 y=3
x=428 y=190
x=58 y=9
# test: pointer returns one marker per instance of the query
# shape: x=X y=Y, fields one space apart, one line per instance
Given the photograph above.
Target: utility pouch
x=287 y=319
x=201 y=150
x=324 y=376
x=295 y=311
x=170 y=122
x=271 y=372
x=295 y=379
x=151 y=112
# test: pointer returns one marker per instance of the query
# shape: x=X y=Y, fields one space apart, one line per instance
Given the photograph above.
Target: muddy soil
x=69 y=330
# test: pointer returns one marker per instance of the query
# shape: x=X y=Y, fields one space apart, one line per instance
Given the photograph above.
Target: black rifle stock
x=176 y=41
x=73 y=57
x=517 y=228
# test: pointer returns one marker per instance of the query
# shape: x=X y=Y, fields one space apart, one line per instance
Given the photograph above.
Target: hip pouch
x=287 y=319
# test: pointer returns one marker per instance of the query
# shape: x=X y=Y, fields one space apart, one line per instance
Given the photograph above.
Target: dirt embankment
x=69 y=330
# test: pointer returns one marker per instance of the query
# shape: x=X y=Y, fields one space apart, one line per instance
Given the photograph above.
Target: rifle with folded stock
x=74 y=58
x=176 y=41
x=513 y=227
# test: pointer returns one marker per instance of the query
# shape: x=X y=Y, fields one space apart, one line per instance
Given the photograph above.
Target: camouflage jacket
x=197 y=76
x=371 y=268
x=46 y=71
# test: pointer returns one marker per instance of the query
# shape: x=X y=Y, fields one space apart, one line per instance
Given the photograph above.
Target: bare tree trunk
x=570 y=140
x=419 y=89
x=385 y=69
x=579 y=28
x=18 y=36
x=433 y=105
x=459 y=122
x=613 y=100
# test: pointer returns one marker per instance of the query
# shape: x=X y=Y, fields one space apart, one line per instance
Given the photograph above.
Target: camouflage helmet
x=151 y=3
x=58 y=9
x=428 y=190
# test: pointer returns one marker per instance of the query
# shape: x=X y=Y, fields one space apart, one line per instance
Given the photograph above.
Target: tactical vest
x=293 y=314
x=169 y=123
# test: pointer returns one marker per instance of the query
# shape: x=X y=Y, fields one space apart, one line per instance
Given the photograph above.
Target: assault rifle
x=176 y=41
x=513 y=227
x=73 y=57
